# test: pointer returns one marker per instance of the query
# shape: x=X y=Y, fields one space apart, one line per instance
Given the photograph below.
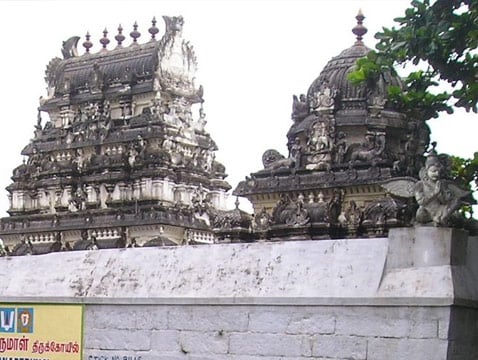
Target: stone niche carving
x=320 y=145
x=324 y=99
x=370 y=150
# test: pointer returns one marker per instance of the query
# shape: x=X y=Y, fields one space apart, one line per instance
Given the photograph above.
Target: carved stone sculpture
x=371 y=149
x=324 y=99
x=300 y=108
x=438 y=197
x=272 y=159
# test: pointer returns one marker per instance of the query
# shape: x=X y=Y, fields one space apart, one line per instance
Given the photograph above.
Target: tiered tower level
x=124 y=158
x=345 y=140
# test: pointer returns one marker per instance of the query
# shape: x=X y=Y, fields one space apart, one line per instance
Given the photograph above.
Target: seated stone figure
x=437 y=197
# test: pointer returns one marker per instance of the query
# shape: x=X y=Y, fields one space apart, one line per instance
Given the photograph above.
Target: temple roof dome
x=334 y=77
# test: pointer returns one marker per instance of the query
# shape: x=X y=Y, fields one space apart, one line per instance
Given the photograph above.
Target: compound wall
x=413 y=295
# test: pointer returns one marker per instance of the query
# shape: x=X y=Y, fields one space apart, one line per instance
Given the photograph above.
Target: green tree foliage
x=442 y=37
x=465 y=171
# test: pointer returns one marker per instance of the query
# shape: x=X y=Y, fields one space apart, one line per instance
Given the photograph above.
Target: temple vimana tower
x=124 y=159
x=344 y=142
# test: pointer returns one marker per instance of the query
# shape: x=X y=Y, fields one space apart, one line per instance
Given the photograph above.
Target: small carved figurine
x=438 y=198
x=299 y=107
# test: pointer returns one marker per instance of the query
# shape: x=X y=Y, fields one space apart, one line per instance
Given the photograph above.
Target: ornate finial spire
x=359 y=29
x=135 y=34
x=87 y=44
x=104 y=40
x=237 y=203
x=120 y=37
x=153 y=30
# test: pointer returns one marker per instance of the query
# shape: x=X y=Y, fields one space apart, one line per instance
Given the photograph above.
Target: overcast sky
x=253 y=56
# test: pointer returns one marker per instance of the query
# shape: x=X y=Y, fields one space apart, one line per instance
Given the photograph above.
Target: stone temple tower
x=124 y=158
x=343 y=142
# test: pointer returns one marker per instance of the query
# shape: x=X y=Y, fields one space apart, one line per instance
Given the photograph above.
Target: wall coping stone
x=368 y=272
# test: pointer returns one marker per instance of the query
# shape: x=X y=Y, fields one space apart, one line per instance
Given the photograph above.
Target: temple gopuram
x=124 y=159
x=344 y=141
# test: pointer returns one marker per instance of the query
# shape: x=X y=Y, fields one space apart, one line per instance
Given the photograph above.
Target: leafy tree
x=465 y=171
x=442 y=37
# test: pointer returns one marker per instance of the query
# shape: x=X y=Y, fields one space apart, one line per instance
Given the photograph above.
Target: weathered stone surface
x=388 y=322
x=200 y=342
x=116 y=339
x=406 y=349
x=423 y=246
x=430 y=262
x=165 y=340
x=338 y=268
x=209 y=319
x=292 y=321
x=277 y=338
x=269 y=344
x=352 y=270
x=349 y=347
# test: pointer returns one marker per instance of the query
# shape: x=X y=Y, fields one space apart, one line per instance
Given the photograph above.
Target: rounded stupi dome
x=334 y=78
x=339 y=124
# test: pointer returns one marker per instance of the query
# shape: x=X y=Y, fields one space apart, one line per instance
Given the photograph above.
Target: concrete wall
x=409 y=296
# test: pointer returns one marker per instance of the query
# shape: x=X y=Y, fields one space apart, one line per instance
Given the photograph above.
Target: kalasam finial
x=135 y=34
x=88 y=44
x=120 y=37
x=153 y=30
x=359 y=29
x=104 y=40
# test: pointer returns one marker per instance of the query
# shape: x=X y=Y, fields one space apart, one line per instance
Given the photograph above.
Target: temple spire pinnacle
x=135 y=34
x=120 y=37
x=359 y=29
x=104 y=41
x=87 y=44
x=153 y=30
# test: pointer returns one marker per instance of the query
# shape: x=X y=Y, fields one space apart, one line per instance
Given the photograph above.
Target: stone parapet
x=411 y=266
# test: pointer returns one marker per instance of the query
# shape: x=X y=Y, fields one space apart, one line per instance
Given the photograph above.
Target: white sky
x=253 y=56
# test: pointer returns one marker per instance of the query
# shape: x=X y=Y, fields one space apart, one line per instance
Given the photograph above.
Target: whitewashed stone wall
x=412 y=296
x=266 y=332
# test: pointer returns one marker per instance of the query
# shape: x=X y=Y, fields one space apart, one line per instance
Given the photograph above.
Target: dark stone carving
x=298 y=212
x=272 y=159
x=262 y=221
x=371 y=149
x=300 y=108
x=23 y=248
x=324 y=99
x=438 y=197
x=385 y=213
x=69 y=48
x=318 y=211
